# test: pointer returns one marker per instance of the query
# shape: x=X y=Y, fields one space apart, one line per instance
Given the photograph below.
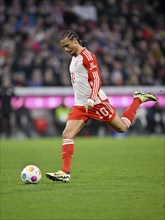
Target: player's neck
x=79 y=50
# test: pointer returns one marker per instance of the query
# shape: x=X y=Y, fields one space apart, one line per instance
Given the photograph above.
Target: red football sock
x=130 y=113
x=67 y=153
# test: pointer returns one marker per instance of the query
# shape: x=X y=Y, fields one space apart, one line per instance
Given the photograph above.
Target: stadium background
x=126 y=36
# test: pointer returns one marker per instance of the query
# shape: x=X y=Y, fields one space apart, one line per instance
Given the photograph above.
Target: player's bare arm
x=89 y=105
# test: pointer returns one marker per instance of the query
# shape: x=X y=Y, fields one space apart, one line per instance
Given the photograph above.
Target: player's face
x=70 y=46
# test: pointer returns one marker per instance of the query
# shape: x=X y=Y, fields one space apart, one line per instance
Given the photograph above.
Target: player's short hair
x=71 y=34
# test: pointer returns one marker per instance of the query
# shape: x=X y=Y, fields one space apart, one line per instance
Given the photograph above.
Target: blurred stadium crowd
x=127 y=36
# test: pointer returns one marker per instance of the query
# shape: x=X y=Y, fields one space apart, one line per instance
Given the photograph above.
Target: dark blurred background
x=127 y=36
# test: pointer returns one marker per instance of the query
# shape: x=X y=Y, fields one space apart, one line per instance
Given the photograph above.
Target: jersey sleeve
x=94 y=79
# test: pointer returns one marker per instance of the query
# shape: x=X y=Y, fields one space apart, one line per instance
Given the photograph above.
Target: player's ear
x=75 y=40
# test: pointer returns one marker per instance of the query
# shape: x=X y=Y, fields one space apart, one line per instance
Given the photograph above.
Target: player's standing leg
x=71 y=130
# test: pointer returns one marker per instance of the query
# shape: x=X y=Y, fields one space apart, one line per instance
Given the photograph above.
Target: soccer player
x=90 y=101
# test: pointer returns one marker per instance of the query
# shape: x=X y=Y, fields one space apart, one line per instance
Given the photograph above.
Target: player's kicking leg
x=122 y=124
x=145 y=97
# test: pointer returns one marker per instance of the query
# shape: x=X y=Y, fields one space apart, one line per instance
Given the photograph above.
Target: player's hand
x=89 y=105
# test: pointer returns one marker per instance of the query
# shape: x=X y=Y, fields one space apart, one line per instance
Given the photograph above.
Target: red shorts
x=102 y=112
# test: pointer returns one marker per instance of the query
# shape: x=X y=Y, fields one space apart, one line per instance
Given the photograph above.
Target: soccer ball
x=31 y=174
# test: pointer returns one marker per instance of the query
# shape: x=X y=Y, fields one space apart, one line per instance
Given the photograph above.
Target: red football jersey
x=85 y=78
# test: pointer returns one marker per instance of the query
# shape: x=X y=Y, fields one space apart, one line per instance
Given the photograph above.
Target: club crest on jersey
x=92 y=66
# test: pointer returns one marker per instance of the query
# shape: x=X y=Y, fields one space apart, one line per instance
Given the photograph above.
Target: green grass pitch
x=115 y=179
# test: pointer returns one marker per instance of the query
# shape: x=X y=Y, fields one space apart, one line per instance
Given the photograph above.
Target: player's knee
x=122 y=129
